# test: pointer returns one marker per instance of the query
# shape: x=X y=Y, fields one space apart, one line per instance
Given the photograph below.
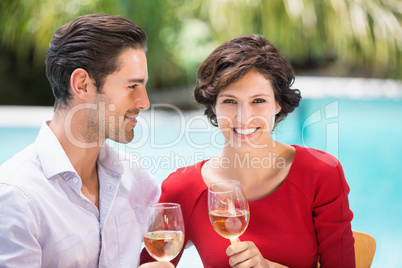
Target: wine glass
x=228 y=209
x=164 y=236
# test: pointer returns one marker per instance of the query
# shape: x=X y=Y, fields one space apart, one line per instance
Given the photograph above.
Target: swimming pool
x=365 y=135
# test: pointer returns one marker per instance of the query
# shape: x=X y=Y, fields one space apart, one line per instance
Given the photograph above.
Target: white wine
x=227 y=224
x=164 y=245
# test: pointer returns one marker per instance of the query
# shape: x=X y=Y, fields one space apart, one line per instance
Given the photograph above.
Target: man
x=68 y=199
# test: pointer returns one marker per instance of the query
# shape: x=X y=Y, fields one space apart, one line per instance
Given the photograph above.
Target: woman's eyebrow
x=261 y=95
x=254 y=96
x=226 y=96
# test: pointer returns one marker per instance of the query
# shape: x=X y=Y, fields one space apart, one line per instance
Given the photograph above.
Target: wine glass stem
x=234 y=239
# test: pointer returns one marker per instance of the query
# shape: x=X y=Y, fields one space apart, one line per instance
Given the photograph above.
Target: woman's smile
x=245 y=133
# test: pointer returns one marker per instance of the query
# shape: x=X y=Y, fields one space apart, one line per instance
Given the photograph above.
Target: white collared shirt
x=46 y=221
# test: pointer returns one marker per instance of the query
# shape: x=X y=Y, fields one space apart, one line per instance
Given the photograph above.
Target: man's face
x=123 y=96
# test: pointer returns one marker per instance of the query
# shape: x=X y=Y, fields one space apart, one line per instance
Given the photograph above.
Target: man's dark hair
x=93 y=43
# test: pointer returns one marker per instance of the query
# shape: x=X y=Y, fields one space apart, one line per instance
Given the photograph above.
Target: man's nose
x=142 y=102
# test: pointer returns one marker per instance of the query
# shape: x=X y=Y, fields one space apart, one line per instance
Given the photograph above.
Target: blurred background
x=347 y=57
x=353 y=38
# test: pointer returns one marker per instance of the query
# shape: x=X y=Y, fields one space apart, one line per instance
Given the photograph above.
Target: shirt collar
x=51 y=154
x=111 y=159
x=55 y=161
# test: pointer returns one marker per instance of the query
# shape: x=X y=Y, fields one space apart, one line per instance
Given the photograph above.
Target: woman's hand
x=157 y=264
x=246 y=254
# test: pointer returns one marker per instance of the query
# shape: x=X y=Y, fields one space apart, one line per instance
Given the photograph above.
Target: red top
x=307 y=216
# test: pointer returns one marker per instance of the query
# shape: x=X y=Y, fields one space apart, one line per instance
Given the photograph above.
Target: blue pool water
x=365 y=135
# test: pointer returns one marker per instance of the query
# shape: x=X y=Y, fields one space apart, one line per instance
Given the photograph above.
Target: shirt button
x=75 y=180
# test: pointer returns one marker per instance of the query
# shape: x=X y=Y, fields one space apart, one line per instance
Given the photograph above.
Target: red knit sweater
x=306 y=217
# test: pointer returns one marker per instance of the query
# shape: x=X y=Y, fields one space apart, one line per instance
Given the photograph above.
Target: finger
x=166 y=264
x=245 y=264
x=250 y=256
x=161 y=264
x=241 y=257
x=236 y=248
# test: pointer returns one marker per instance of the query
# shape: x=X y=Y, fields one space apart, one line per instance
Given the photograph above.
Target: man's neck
x=82 y=153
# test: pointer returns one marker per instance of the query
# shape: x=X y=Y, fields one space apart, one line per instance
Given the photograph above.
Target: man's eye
x=228 y=101
x=133 y=86
x=258 y=100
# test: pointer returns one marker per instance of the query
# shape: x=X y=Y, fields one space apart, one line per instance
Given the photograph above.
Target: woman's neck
x=261 y=171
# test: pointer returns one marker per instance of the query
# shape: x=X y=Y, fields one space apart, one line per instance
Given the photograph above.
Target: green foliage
x=347 y=34
x=334 y=37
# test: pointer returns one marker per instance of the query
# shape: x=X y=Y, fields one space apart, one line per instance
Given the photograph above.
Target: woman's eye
x=228 y=101
x=258 y=100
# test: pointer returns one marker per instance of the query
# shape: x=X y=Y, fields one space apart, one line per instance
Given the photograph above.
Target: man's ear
x=79 y=83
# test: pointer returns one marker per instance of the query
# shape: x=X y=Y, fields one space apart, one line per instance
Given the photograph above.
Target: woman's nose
x=244 y=113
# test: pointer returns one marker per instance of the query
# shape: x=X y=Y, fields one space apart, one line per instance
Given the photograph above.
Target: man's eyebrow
x=137 y=80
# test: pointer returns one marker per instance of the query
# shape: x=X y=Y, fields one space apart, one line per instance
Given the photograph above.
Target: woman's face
x=246 y=111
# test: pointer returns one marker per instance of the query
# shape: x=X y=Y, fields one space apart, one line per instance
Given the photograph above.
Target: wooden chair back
x=364 y=249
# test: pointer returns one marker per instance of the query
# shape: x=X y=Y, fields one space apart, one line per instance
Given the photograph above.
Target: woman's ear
x=278 y=108
x=79 y=83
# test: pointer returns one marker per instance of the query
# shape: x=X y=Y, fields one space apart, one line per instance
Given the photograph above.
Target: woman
x=299 y=211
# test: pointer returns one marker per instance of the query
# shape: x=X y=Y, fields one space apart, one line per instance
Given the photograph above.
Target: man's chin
x=123 y=139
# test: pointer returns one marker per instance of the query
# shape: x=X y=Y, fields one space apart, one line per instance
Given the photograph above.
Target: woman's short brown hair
x=233 y=60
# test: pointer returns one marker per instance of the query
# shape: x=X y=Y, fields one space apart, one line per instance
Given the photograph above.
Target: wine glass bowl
x=164 y=236
x=228 y=209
